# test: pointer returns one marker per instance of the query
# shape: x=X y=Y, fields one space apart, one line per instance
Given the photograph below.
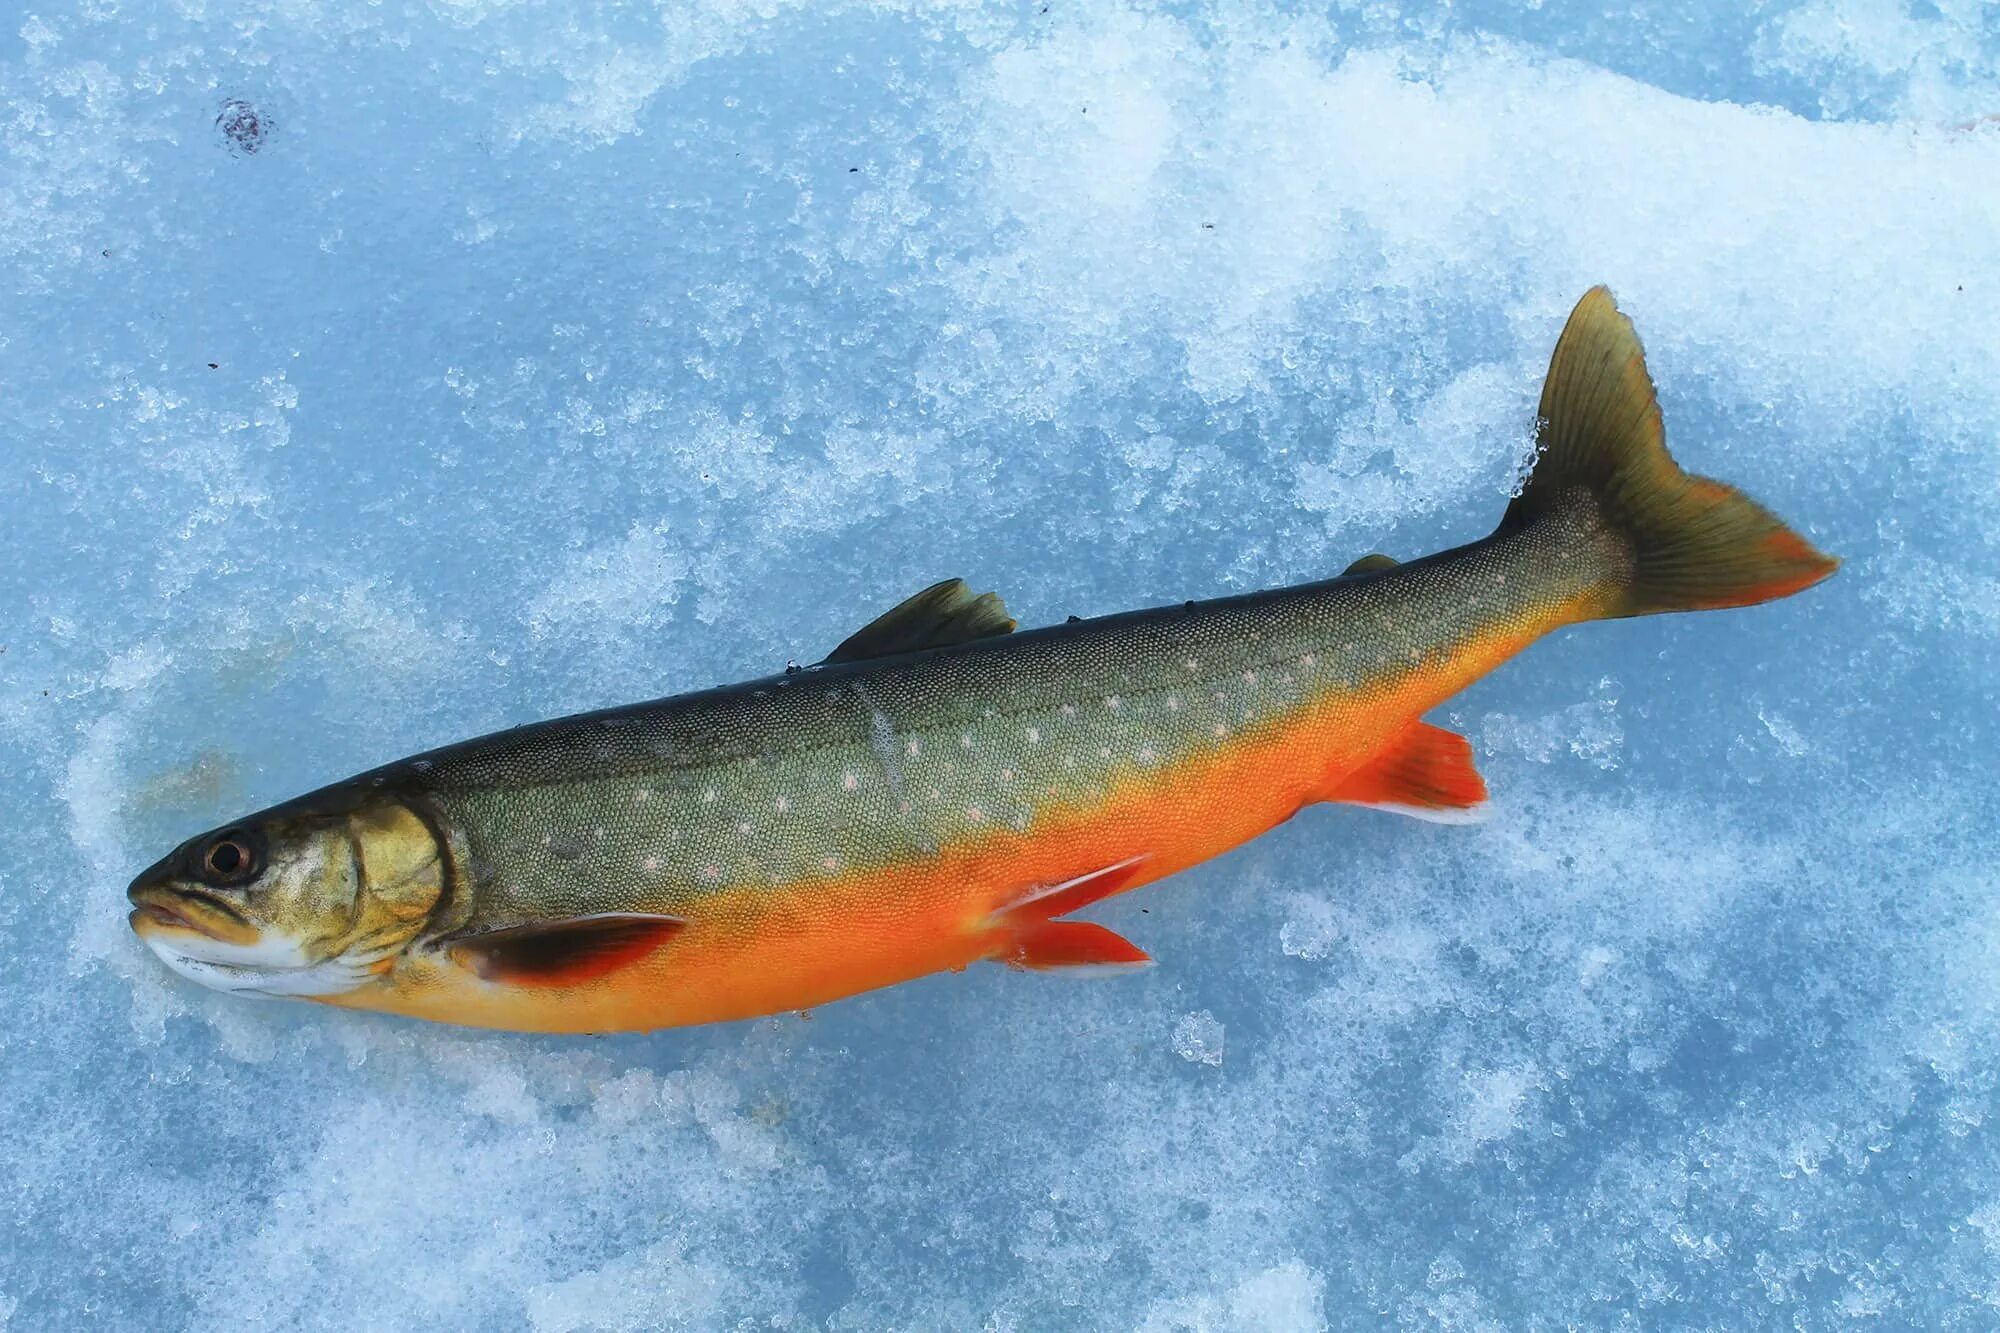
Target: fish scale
x=942 y=790
x=999 y=734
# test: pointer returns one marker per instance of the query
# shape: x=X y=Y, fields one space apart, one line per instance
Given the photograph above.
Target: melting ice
x=374 y=376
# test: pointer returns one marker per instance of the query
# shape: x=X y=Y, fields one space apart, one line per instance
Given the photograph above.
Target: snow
x=374 y=376
x=1198 y=1038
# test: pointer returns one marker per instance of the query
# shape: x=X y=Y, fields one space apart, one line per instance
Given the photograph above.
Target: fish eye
x=232 y=856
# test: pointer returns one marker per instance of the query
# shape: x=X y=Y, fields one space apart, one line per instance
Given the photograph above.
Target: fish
x=943 y=790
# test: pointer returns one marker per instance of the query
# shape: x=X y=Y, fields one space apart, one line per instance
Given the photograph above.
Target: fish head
x=314 y=898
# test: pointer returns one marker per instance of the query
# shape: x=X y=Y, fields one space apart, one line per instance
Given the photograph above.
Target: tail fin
x=1695 y=544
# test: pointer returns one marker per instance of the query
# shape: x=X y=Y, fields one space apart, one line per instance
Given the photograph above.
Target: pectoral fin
x=563 y=953
x=1426 y=772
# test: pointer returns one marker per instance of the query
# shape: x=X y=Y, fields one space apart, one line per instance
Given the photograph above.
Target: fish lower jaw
x=333 y=976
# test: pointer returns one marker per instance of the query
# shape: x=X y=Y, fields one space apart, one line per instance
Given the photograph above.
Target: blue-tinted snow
x=567 y=354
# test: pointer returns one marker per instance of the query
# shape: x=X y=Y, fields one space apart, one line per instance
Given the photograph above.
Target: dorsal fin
x=1373 y=563
x=938 y=617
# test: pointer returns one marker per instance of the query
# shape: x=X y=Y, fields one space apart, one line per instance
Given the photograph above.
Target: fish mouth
x=159 y=914
x=188 y=910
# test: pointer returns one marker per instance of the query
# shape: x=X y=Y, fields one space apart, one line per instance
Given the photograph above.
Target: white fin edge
x=1085 y=971
x=1042 y=891
x=1471 y=814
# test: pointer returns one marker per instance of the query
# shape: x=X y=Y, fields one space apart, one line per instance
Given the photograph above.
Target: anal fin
x=563 y=953
x=1426 y=772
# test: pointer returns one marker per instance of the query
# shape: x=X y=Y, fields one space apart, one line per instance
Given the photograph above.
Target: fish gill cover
x=374 y=376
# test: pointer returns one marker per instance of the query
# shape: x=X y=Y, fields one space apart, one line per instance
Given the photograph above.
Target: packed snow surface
x=372 y=376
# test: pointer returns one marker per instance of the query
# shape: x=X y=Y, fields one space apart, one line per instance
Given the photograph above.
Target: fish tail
x=1687 y=543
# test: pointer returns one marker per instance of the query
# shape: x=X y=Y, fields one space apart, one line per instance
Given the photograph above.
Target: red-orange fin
x=1082 y=947
x=563 y=953
x=1426 y=772
x=1031 y=937
x=1053 y=900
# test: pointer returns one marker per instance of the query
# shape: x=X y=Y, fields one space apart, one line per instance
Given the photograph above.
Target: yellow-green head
x=307 y=899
